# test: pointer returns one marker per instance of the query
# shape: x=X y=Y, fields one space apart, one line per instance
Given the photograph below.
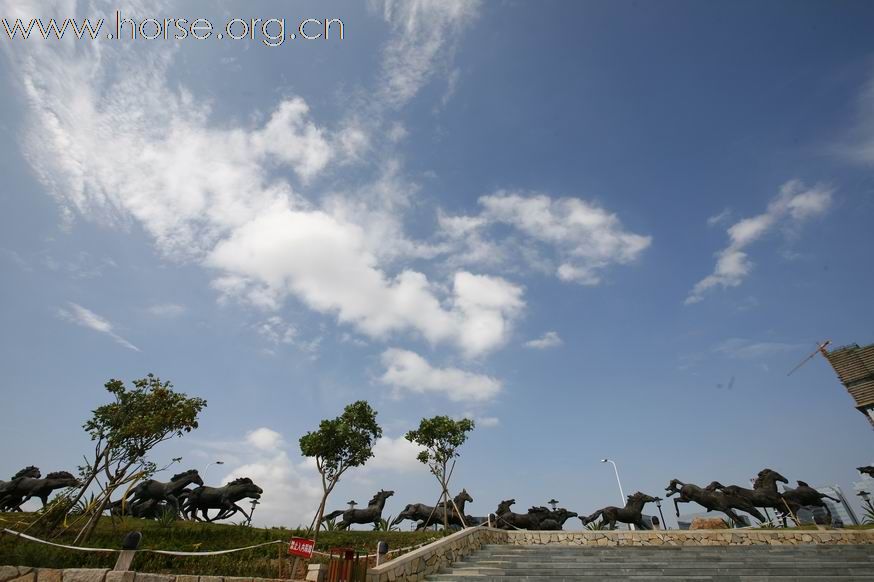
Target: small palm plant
x=596 y=526
x=385 y=525
x=330 y=524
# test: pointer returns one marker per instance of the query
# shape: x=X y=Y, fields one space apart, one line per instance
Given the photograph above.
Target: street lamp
x=552 y=503
x=621 y=493
x=254 y=503
x=210 y=465
x=352 y=504
x=662 y=515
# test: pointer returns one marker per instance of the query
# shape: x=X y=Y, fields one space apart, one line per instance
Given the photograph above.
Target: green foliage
x=596 y=525
x=142 y=417
x=868 y=508
x=167 y=518
x=441 y=437
x=329 y=525
x=190 y=537
x=343 y=442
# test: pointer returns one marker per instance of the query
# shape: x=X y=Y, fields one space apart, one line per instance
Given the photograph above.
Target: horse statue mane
x=183 y=474
x=376 y=497
x=30 y=471
x=241 y=481
x=60 y=475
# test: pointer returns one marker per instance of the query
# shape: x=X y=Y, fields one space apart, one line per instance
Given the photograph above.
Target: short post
x=129 y=546
x=381 y=551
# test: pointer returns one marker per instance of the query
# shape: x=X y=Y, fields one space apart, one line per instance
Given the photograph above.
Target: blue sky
x=597 y=228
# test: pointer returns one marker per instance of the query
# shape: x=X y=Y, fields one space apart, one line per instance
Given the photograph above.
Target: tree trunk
x=92 y=521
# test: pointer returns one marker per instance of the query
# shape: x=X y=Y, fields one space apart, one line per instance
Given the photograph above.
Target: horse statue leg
x=734 y=517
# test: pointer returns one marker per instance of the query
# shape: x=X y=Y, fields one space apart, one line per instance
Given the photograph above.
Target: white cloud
x=719 y=218
x=87 y=318
x=394 y=454
x=167 y=310
x=423 y=37
x=264 y=439
x=791 y=207
x=406 y=371
x=217 y=192
x=550 y=339
x=277 y=331
x=585 y=238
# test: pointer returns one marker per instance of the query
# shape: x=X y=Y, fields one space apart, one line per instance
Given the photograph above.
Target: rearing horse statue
x=157 y=491
x=710 y=499
x=632 y=512
x=764 y=492
x=427 y=515
x=371 y=514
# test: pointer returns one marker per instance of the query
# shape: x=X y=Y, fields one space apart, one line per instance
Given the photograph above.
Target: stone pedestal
x=316 y=572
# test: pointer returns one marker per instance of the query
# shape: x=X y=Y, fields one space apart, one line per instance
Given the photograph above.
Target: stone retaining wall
x=700 y=537
x=429 y=559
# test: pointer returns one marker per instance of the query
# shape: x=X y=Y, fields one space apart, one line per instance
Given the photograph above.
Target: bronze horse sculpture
x=806 y=496
x=764 y=492
x=711 y=499
x=157 y=491
x=22 y=488
x=632 y=512
x=371 y=514
x=537 y=518
x=222 y=498
x=427 y=515
x=31 y=472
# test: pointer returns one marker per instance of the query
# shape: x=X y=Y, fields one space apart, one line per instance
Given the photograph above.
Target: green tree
x=125 y=430
x=338 y=445
x=441 y=437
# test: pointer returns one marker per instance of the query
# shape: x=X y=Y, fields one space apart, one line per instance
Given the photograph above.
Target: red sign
x=301 y=547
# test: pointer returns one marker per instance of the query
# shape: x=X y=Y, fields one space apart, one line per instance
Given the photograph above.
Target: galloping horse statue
x=371 y=514
x=22 y=488
x=806 y=496
x=157 y=491
x=764 y=492
x=711 y=499
x=632 y=512
x=427 y=515
x=31 y=472
x=222 y=498
x=537 y=518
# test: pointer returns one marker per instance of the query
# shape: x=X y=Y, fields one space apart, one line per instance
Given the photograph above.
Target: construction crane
x=819 y=350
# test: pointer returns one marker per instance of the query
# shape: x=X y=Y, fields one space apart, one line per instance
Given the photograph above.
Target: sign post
x=301 y=547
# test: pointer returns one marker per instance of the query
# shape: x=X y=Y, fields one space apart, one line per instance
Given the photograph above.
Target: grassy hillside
x=184 y=536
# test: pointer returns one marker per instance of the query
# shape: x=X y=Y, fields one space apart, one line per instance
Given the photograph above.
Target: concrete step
x=502 y=563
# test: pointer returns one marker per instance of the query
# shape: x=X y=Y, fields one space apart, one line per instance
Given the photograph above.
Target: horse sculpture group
x=153 y=499
x=148 y=499
x=764 y=494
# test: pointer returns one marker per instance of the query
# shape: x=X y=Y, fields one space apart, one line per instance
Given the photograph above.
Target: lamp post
x=352 y=503
x=618 y=482
x=659 y=505
x=552 y=503
x=210 y=465
x=254 y=503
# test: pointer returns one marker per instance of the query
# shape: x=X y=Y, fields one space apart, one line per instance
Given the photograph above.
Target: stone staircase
x=552 y=563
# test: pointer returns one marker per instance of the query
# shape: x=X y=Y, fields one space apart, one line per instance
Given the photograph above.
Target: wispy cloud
x=167 y=310
x=749 y=349
x=550 y=339
x=75 y=313
x=584 y=238
x=791 y=207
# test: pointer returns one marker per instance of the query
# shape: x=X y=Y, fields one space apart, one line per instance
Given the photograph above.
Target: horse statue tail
x=403 y=515
x=332 y=515
x=591 y=518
